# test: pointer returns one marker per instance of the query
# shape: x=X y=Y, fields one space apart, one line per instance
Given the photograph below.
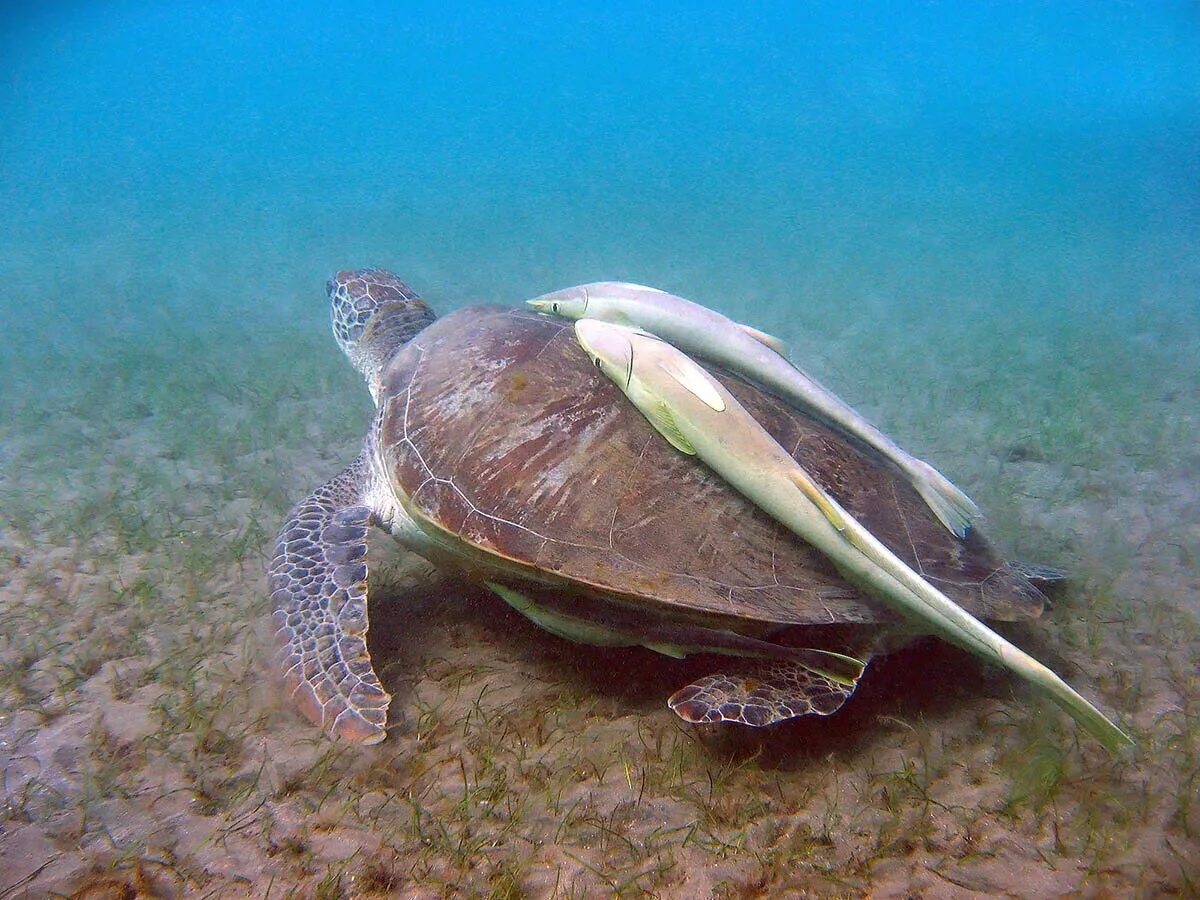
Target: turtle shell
x=510 y=449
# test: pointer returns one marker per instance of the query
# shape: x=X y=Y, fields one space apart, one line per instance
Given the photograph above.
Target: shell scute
x=497 y=433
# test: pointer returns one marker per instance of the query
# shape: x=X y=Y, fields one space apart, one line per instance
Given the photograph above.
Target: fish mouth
x=555 y=303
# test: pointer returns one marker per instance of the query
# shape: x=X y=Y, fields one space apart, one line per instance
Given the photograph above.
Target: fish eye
x=554 y=307
x=599 y=364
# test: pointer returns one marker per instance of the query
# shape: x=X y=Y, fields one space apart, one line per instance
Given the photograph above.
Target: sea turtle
x=499 y=452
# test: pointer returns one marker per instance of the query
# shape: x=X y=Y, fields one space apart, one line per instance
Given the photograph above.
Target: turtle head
x=374 y=314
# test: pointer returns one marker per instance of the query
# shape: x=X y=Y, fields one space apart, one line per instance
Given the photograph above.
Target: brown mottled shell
x=506 y=444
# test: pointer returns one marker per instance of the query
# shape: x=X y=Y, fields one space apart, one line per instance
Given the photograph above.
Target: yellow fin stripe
x=663 y=421
x=817 y=495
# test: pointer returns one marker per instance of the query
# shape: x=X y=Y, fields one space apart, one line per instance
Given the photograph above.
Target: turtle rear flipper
x=1041 y=576
x=759 y=693
x=318 y=582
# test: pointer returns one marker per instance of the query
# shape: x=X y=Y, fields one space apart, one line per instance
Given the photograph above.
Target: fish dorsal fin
x=694 y=379
x=661 y=418
x=763 y=338
x=642 y=332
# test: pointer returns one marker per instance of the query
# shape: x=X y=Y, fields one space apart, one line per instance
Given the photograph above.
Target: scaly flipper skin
x=758 y=694
x=318 y=582
x=1043 y=576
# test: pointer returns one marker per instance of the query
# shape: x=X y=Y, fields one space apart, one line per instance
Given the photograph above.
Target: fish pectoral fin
x=694 y=379
x=663 y=420
x=767 y=339
x=670 y=650
x=618 y=316
x=836 y=666
x=817 y=495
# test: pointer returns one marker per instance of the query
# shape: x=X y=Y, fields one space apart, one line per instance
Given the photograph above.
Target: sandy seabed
x=147 y=749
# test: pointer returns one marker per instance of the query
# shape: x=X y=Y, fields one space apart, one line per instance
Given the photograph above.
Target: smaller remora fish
x=698 y=416
x=574 y=621
x=709 y=335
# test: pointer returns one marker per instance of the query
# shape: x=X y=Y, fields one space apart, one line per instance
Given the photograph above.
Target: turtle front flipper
x=318 y=583
x=758 y=694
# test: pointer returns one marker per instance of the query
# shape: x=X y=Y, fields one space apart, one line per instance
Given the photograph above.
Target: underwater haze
x=978 y=223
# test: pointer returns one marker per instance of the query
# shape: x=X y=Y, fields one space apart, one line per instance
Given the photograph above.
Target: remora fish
x=612 y=628
x=698 y=416
x=709 y=335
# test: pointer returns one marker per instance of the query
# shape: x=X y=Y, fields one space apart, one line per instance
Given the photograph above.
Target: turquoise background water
x=978 y=223
x=812 y=160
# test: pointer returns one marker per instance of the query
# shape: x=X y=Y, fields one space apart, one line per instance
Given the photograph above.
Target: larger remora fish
x=709 y=335
x=698 y=416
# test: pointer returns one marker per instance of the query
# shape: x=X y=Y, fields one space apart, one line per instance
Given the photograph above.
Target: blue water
x=914 y=155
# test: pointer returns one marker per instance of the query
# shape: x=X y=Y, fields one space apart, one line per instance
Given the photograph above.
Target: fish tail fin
x=1084 y=713
x=953 y=508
